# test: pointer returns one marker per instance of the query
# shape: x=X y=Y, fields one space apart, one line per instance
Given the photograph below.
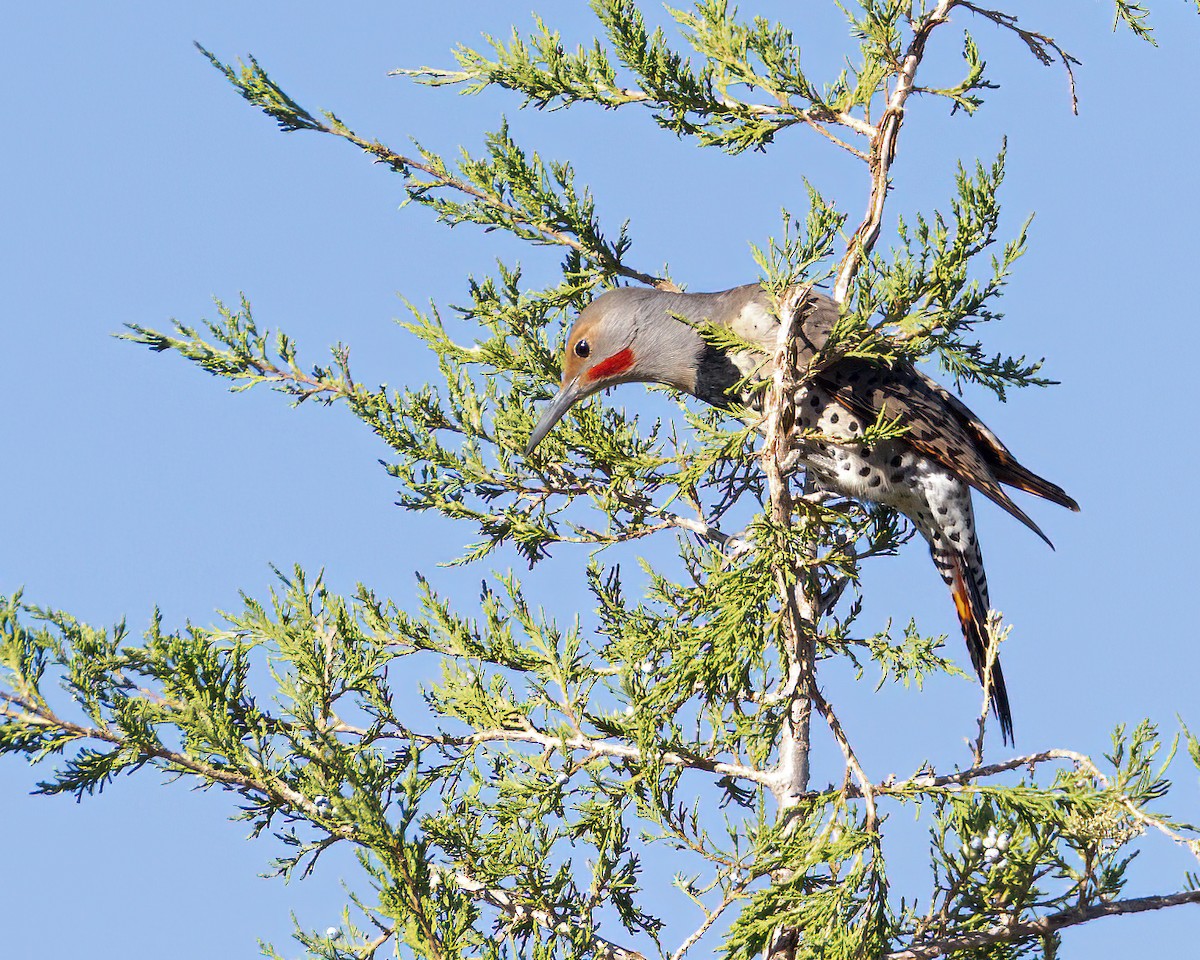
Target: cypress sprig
x=512 y=783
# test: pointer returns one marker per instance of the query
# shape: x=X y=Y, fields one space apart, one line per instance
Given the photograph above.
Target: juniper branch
x=275 y=790
x=1013 y=930
x=601 y=748
x=686 y=101
x=883 y=148
x=1043 y=47
x=253 y=83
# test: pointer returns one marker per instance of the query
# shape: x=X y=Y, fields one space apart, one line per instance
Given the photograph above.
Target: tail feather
x=1012 y=473
x=1004 y=465
x=996 y=494
x=972 y=614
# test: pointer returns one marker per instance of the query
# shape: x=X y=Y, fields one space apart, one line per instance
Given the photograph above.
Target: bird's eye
x=582 y=349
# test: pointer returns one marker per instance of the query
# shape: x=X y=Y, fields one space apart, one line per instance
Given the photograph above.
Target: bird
x=648 y=335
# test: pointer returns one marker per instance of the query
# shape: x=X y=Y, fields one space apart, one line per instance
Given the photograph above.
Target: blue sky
x=139 y=186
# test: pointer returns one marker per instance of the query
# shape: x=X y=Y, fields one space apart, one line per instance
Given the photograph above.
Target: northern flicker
x=645 y=335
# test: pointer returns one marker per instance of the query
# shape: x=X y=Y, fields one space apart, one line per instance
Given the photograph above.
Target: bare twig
x=982 y=772
x=711 y=917
x=839 y=734
x=989 y=664
x=883 y=150
x=602 y=748
x=371 y=947
x=1011 y=930
x=509 y=905
x=1038 y=43
x=963 y=779
x=791 y=776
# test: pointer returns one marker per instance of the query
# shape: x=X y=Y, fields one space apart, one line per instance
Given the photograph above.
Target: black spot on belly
x=864 y=472
x=897 y=477
x=854 y=426
x=943 y=510
x=833 y=418
x=956 y=536
x=875 y=481
x=897 y=460
x=815 y=401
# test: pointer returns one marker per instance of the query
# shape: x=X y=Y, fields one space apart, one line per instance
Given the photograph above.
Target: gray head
x=624 y=336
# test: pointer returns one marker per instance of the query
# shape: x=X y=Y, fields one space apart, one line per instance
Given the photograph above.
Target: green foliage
x=259 y=90
x=927 y=295
x=700 y=102
x=963 y=95
x=525 y=769
x=797 y=257
x=1134 y=16
x=506 y=189
x=506 y=779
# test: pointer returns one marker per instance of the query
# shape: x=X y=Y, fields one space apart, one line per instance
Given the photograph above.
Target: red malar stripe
x=617 y=363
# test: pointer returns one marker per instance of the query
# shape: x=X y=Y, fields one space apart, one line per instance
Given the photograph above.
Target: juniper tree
x=514 y=813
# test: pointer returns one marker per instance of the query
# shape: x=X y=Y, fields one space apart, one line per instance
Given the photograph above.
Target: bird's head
x=601 y=351
x=627 y=335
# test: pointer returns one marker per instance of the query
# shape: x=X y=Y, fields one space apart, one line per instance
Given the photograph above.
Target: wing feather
x=935 y=428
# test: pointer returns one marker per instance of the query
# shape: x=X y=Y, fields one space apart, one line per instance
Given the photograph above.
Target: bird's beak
x=561 y=403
